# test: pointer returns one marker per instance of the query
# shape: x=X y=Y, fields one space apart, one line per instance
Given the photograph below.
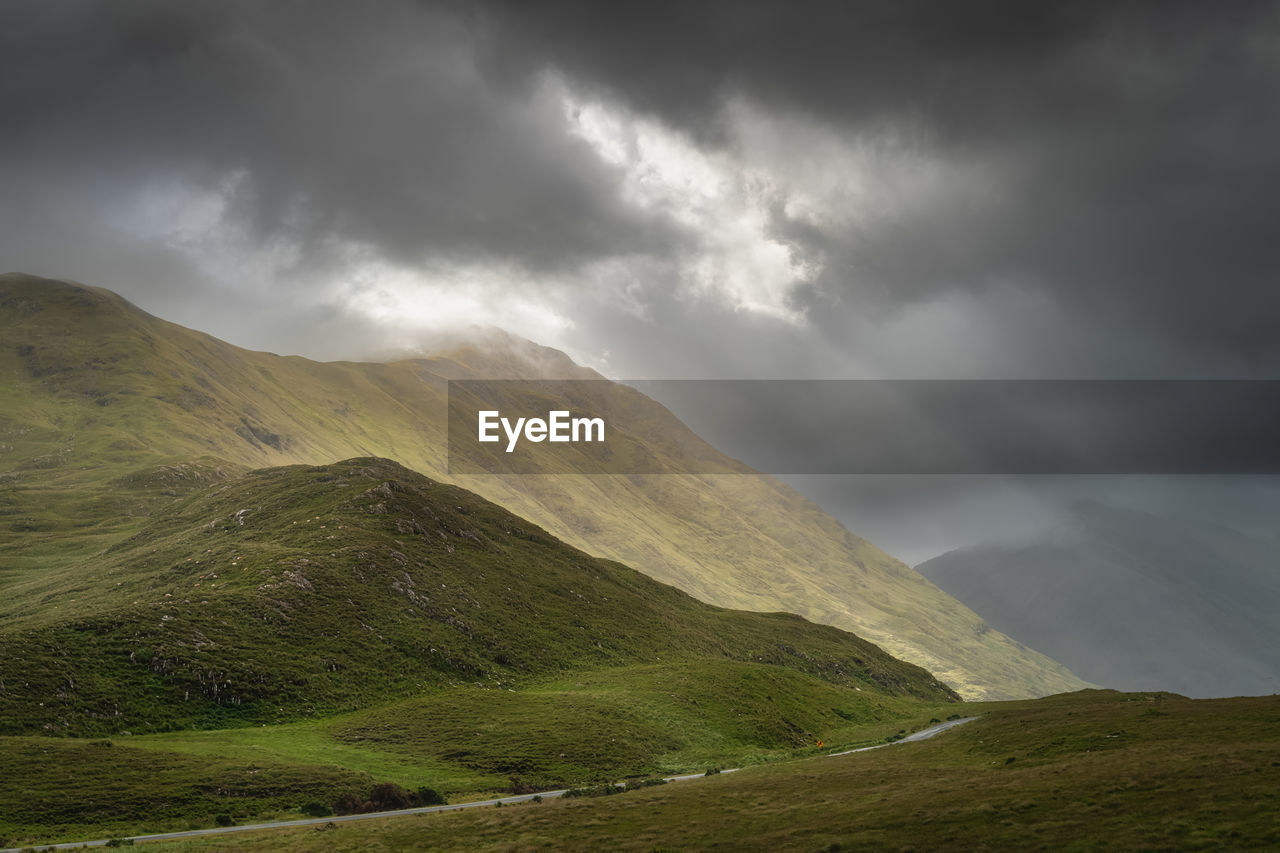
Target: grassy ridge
x=102 y=406
x=483 y=653
x=1091 y=771
x=306 y=591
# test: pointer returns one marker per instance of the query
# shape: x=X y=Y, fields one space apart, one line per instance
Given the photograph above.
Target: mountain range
x=111 y=414
x=190 y=633
x=241 y=587
x=1133 y=600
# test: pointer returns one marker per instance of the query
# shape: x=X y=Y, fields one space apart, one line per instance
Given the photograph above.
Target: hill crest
x=309 y=590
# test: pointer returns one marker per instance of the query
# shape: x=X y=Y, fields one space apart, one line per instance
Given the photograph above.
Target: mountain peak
x=22 y=295
x=102 y=395
x=493 y=353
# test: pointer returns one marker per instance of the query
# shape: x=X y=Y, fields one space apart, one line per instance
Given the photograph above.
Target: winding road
x=924 y=734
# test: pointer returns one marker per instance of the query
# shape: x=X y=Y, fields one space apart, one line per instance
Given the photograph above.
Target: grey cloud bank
x=672 y=190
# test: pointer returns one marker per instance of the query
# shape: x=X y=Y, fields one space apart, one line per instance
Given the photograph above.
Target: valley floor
x=1095 y=770
x=583 y=728
x=1088 y=771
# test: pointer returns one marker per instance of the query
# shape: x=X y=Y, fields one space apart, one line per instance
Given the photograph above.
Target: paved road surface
x=920 y=735
x=319 y=821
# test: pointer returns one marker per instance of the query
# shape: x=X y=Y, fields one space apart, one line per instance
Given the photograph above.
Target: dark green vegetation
x=62 y=788
x=582 y=729
x=485 y=655
x=298 y=591
x=1130 y=599
x=1094 y=770
x=108 y=414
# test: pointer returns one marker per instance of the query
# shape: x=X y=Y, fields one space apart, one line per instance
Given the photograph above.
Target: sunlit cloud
x=418 y=302
x=724 y=204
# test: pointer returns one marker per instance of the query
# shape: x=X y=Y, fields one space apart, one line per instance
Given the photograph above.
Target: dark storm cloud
x=1126 y=150
x=989 y=189
x=321 y=120
x=1107 y=207
x=1117 y=157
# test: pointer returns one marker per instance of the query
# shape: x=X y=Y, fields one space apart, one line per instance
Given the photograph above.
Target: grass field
x=1096 y=770
x=590 y=727
x=466 y=742
x=291 y=636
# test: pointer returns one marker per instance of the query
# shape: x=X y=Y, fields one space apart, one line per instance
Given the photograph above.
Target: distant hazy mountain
x=108 y=413
x=1134 y=601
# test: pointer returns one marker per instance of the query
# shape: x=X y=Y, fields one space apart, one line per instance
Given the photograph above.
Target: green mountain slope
x=109 y=413
x=299 y=591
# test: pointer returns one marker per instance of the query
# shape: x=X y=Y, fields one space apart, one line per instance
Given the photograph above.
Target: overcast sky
x=668 y=190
